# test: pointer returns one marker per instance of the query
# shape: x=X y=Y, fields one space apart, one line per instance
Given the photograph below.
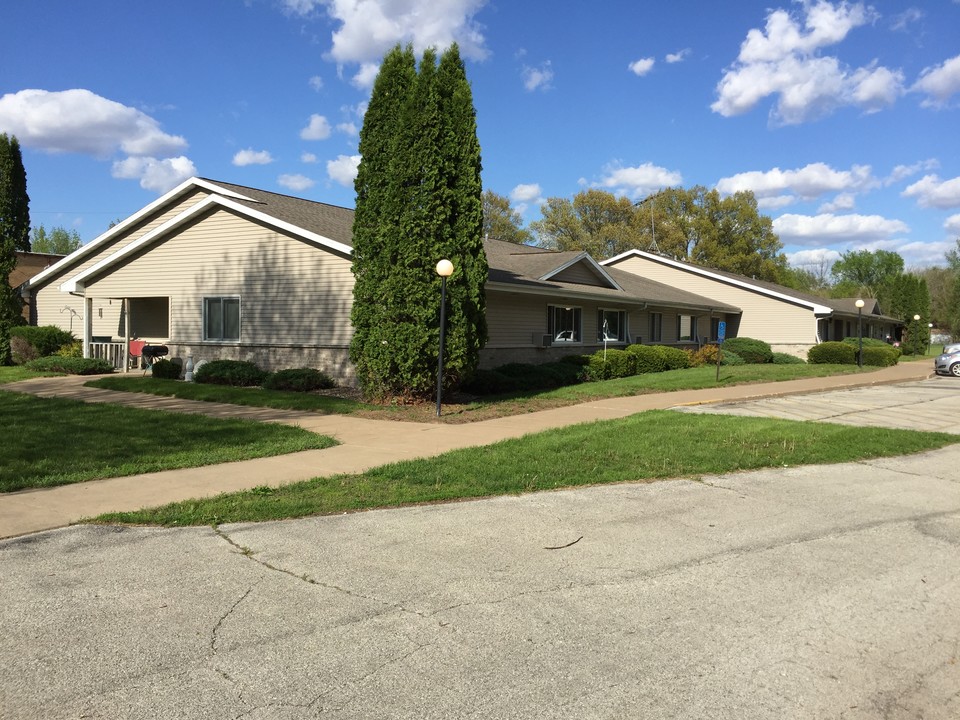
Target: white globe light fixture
x=444 y=270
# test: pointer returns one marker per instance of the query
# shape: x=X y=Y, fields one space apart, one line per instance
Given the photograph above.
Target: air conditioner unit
x=541 y=340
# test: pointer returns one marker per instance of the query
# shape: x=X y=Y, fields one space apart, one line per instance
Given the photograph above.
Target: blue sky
x=843 y=118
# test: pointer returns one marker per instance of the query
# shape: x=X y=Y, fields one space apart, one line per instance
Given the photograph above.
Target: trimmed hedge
x=612 y=364
x=523 y=377
x=832 y=353
x=71 y=365
x=45 y=339
x=731 y=358
x=880 y=356
x=238 y=373
x=754 y=352
x=648 y=359
x=165 y=369
x=780 y=358
x=673 y=358
x=298 y=380
x=707 y=355
x=873 y=342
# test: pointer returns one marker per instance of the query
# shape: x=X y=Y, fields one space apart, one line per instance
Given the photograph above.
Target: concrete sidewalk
x=364 y=443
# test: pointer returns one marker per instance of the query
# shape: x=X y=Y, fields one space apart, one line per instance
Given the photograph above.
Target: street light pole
x=444 y=270
x=859 y=305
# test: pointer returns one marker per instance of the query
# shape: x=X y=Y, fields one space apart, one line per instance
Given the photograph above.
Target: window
x=611 y=326
x=221 y=318
x=656 y=327
x=686 y=328
x=563 y=323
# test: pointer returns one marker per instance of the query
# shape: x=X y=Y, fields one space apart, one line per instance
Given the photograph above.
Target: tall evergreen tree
x=14 y=234
x=418 y=201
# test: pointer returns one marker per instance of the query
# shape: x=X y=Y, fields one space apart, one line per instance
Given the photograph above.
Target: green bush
x=238 y=373
x=611 y=364
x=70 y=365
x=45 y=339
x=754 y=352
x=882 y=356
x=707 y=355
x=298 y=380
x=578 y=360
x=872 y=342
x=647 y=358
x=673 y=358
x=73 y=349
x=833 y=353
x=491 y=382
x=523 y=377
x=165 y=369
x=780 y=358
x=731 y=358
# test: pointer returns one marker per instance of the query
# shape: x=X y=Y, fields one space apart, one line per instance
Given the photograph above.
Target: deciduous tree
x=501 y=221
x=59 y=241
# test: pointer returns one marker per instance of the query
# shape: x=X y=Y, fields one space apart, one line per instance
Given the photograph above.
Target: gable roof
x=819 y=305
x=323 y=224
x=522 y=268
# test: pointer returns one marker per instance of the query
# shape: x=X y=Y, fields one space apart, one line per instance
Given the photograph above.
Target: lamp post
x=929 y=337
x=444 y=270
x=859 y=305
x=915 y=330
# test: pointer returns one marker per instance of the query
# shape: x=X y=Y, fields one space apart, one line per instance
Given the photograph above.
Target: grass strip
x=55 y=441
x=645 y=447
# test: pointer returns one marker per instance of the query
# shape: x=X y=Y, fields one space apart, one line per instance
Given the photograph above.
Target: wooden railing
x=114 y=352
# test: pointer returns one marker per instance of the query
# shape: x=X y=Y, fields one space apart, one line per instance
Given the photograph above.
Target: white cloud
x=316 y=82
x=924 y=254
x=252 y=157
x=642 y=66
x=902 y=20
x=526 y=192
x=295 y=182
x=783 y=61
x=80 y=121
x=830 y=229
x=843 y=201
x=308 y=158
x=317 y=129
x=776 y=201
x=939 y=82
x=816 y=258
x=153 y=174
x=368 y=29
x=902 y=172
x=679 y=56
x=952 y=224
x=366 y=76
x=344 y=169
x=348 y=128
x=931 y=192
x=808 y=182
x=537 y=78
x=638 y=181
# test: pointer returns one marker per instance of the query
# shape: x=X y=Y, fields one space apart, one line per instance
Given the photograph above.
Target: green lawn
x=483 y=408
x=53 y=441
x=645 y=447
x=15 y=373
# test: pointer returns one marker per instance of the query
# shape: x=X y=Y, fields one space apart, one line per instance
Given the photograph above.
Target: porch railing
x=113 y=352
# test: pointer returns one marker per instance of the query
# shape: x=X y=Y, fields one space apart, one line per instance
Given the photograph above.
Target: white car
x=949 y=362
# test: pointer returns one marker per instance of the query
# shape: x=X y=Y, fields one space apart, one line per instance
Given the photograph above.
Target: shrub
x=578 y=360
x=731 y=358
x=647 y=358
x=707 y=355
x=754 y=352
x=238 y=373
x=46 y=339
x=165 y=370
x=490 y=382
x=71 y=365
x=880 y=356
x=832 y=352
x=523 y=377
x=298 y=380
x=21 y=351
x=616 y=363
x=872 y=342
x=673 y=358
x=780 y=358
x=73 y=349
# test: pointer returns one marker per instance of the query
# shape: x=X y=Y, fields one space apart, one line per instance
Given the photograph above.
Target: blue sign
x=721 y=331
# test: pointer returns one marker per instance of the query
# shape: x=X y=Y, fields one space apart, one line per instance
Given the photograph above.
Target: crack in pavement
x=228 y=613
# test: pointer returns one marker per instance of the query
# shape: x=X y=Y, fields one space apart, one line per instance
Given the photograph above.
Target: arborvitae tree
x=14 y=234
x=418 y=201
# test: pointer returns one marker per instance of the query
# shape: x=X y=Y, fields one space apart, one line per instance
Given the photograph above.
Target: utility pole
x=653 y=233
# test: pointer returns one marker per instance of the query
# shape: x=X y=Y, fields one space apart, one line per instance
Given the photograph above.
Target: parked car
x=949 y=362
x=951 y=349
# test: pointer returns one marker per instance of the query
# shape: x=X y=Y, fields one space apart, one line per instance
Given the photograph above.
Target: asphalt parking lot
x=810 y=592
x=932 y=405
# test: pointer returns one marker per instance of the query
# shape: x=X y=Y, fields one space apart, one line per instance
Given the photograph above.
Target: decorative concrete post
x=188 y=369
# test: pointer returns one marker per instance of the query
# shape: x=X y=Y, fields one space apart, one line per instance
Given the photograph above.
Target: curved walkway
x=363 y=443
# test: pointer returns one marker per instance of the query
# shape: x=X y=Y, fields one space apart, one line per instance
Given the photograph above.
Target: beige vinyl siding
x=765 y=318
x=56 y=308
x=291 y=291
x=582 y=274
x=514 y=319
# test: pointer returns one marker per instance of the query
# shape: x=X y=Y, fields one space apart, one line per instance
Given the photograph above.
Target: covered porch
x=116 y=329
